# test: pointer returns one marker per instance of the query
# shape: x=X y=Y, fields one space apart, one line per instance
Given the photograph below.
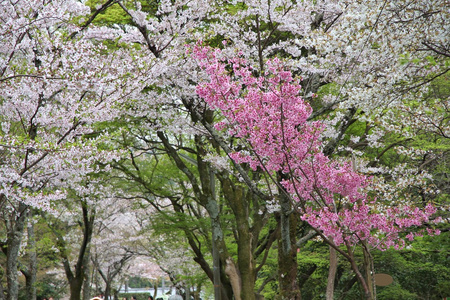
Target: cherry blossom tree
x=173 y=250
x=267 y=112
x=52 y=95
x=304 y=36
x=50 y=57
x=73 y=226
x=112 y=252
x=336 y=47
x=367 y=68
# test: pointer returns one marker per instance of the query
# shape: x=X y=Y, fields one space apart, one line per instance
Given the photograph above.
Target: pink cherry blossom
x=270 y=116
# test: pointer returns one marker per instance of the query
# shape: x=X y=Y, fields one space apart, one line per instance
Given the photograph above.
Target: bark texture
x=287 y=252
x=15 y=229
x=331 y=274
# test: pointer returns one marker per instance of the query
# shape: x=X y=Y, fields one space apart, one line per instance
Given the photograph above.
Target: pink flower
x=270 y=116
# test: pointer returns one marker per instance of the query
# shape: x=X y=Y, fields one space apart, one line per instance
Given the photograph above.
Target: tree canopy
x=285 y=149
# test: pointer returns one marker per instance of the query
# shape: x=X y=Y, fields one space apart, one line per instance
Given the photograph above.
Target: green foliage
x=420 y=272
x=268 y=273
x=111 y=16
x=313 y=263
x=139 y=282
x=48 y=285
x=329 y=89
x=394 y=292
x=423 y=270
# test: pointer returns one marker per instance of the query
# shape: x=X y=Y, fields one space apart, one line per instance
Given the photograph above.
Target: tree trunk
x=76 y=278
x=358 y=274
x=209 y=201
x=244 y=276
x=76 y=285
x=2 y=291
x=188 y=292
x=235 y=278
x=222 y=291
x=32 y=261
x=81 y=267
x=108 y=289
x=287 y=252
x=331 y=274
x=111 y=273
x=15 y=228
x=216 y=266
x=205 y=194
x=368 y=271
x=87 y=284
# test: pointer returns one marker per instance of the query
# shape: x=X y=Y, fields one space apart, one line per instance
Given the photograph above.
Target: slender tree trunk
x=245 y=274
x=216 y=266
x=205 y=194
x=87 y=283
x=235 y=278
x=331 y=274
x=358 y=274
x=188 y=292
x=111 y=273
x=246 y=263
x=287 y=252
x=368 y=271
x=156 y=289
x=32 y=261
x=81 y=267
x=221 y=291
x=76 y=277
x=209 y=201
x=217 y=239
x=108 y=289
x=15 y=228
x=2 y=291
x=367 y=280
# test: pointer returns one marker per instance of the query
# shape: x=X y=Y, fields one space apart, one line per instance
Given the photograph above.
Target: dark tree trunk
x=107 y=290
x=243 y=273
x=87 y=284
x=205 y=194
x=368 y=271
x=112 y=272
x=81 y=267
x=76 y=285
x=116 y=294
x=222 y=285
x=76 y=277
